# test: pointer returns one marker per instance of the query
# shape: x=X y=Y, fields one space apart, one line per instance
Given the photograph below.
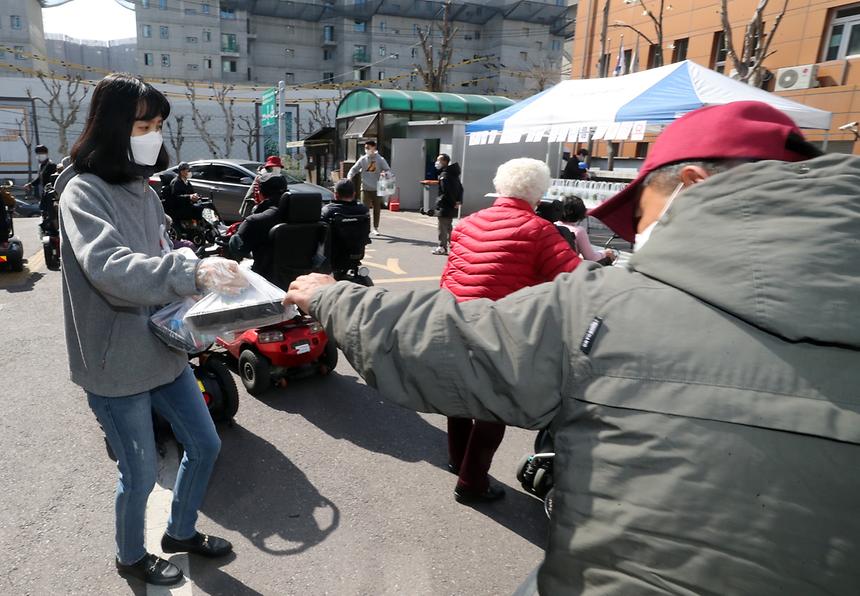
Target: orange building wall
x=799 y=40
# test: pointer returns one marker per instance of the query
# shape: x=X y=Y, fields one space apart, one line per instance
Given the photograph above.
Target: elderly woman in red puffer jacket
x=494 y=252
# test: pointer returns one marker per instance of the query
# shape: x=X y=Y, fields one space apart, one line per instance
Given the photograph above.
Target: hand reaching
x=302 y=290
x=220 y=275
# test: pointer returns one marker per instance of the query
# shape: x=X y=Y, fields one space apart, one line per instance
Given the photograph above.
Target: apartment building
x=22 y=36
x=813 y=50
x=116 y=55
x=500 y=46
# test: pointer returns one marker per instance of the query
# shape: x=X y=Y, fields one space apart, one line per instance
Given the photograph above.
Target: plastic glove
x=216 y=274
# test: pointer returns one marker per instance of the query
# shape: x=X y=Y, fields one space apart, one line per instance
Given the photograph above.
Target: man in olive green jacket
x=704 y=403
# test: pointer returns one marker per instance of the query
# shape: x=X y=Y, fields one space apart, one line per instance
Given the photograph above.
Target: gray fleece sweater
x=115 y=275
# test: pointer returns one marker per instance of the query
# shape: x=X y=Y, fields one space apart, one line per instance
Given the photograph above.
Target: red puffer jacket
x=502 y=249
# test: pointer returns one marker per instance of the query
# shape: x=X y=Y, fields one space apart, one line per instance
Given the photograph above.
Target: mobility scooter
x=11 y=247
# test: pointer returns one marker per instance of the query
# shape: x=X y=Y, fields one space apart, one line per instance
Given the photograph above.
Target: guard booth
x=411 y=128
x=319 y=148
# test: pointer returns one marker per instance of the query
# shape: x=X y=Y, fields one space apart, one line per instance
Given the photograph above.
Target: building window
x=843 y=39
x=15 y=21
x=228 y=65
x=144 y=3
x=147 y=59
x=477 y=35
x=191 y=40
x=360 y=54
x=207 y=63
x=642 y=150
x=540 y=46
x=382 y=51
x=414 y=52
x=162 y=4
x=192 y=67
x=359 y=26
x=191 y=12
x=290 y=52
x=381 y=76
x=164 y=32
x=679 y=51
x=229 y=43
x=165 y=60
x=362 y=74
x=328 y=33
x=524 y=55
x=289 y=78
x=525 y=31
x=207 y=36
x=382 y=25
x=719 y=52
x=147 y=30
x=228 y=14
x=19 y=52
x=328 y=77
x=556 y=45
x=204 y=8
x=328 y=54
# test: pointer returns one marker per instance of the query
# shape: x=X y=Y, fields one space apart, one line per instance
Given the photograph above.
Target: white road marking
x=414 y=221
x=391 y=265
x=157 y=512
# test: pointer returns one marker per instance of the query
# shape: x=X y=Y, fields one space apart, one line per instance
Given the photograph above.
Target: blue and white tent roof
x=656 y=96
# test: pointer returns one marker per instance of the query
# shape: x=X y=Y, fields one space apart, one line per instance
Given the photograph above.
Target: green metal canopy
x=370 y=101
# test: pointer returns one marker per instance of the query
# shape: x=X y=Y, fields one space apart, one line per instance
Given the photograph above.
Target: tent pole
x=824 y=142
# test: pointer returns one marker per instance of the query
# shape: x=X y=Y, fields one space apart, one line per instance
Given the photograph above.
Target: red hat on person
x=273 y=161
x=739 y=130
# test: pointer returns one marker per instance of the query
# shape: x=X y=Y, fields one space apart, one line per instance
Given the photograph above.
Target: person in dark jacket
x=252 y=237
x=180 y=202
x=344 y=202
x=450 y=198
x=47 y=168
x=576 y=167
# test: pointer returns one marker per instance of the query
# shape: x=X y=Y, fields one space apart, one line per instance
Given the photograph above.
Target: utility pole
x=282 y=122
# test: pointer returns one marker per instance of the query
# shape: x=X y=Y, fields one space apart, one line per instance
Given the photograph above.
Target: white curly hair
x=522 y=178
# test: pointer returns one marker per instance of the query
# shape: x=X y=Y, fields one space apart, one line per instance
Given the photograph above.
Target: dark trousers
x=446 y=224
x=471 y=446
x=373 y=202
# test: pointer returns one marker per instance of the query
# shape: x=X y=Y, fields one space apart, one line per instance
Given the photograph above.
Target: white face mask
x=439 y=165
x=190 y=174
x=42 y=157
x=145 y=148
x=276 y=170
x=369 y=151
x=645 y=235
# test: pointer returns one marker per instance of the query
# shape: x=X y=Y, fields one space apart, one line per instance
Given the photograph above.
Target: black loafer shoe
x=493 y=493
x=152 y=570
x=199 y=544
x=455 y=470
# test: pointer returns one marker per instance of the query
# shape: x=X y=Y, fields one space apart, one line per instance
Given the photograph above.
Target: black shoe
x=493 y=493
x=200 y=544
x=152 y=570
x=455 y=470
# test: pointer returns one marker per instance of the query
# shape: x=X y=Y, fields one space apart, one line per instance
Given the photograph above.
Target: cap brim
x=619 y=211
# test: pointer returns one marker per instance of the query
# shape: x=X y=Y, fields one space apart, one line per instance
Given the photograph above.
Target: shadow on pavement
x=520 y=513
x=16 y=283
x=344 y=409
x=282 y=517
x=208 y=577
x=392 y=239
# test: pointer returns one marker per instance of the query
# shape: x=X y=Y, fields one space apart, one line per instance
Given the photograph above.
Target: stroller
x=535 y=471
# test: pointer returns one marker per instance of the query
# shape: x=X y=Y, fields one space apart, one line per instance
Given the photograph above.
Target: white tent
x=618 y=108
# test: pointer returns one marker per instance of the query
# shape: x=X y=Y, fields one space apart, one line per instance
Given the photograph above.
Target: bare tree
x=318 y=116
x=657 y=20
x=176 y=137
x=749 y=65
x=250 y=133
x=544 y=75
x=434 y=70
x=226 y=103
x=28 y=144
x=64 y=102
x=201 y=121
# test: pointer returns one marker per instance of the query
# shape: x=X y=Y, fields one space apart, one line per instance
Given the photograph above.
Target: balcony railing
x=360 y=57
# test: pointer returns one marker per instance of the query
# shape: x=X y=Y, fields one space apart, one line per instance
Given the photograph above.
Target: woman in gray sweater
x=117 y=269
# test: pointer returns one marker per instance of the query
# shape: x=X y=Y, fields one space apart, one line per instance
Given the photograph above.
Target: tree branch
x=631 y=27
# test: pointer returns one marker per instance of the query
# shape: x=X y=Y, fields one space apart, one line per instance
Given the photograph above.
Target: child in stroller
x=535 y=471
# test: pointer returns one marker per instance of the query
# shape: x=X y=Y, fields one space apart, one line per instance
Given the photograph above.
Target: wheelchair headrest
x=300 y=207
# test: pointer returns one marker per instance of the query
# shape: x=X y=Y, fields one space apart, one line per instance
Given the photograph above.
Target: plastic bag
x=387 y=184
x=168 y=325
x=257 y=305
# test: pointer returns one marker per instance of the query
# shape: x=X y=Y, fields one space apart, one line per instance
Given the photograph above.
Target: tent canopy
x=371 y=101
x=655 y=96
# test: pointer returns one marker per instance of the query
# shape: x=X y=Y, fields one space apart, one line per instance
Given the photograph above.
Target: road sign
x=269 y=111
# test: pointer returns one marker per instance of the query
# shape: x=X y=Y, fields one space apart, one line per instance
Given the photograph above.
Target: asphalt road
x=322 y=487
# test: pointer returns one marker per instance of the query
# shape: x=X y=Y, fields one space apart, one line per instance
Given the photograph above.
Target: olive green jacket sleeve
x=500 y=361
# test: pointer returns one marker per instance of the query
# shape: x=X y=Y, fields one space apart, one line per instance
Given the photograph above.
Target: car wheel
x=255 y=372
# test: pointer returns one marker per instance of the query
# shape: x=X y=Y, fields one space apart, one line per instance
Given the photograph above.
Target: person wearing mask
x=495 y=252
x=181 y=202
x=253 y=198
x=47 y=168
x=576 y=167
x=450 y=198
x=117 y=270
x=573 y=211
x=371 y=164
x=252 y=237
x=703 y=405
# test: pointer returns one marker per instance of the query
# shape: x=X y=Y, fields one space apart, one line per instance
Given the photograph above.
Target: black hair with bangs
x=104 y=147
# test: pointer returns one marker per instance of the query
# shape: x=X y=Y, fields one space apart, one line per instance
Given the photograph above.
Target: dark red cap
x=273 y=161
x=738 y=130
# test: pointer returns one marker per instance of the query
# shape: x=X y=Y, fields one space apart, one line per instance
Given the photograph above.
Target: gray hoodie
x=370 y=167
x=115 y=275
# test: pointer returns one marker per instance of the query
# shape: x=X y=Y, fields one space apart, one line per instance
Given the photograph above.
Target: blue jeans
x=127 y=423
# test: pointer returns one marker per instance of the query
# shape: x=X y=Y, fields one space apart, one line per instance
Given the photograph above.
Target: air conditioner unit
x=796 y=77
